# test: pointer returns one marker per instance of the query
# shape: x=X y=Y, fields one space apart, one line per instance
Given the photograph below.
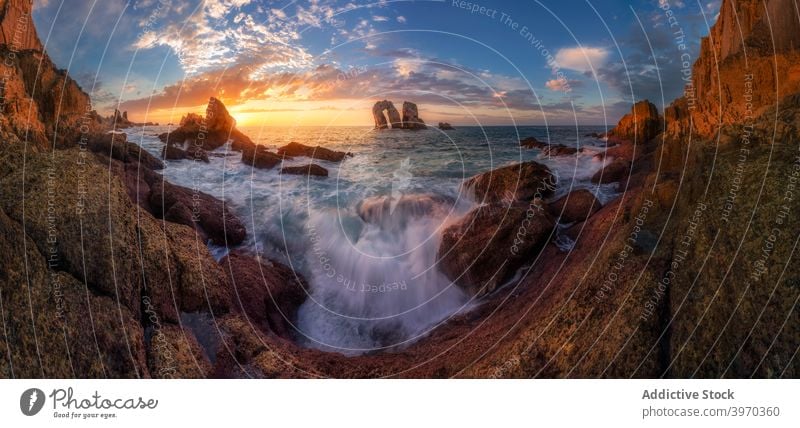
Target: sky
x=323 y=63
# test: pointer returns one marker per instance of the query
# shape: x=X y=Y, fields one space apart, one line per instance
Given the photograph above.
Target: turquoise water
x=366 y=236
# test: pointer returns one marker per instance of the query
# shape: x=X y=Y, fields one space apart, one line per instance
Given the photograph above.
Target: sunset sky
x=326 y=62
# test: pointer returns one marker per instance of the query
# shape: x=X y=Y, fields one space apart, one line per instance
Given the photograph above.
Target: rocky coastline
x=104 y=260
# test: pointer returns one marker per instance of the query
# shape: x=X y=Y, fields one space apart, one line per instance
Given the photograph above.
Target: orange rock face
x=640 y=125
x=747 y=63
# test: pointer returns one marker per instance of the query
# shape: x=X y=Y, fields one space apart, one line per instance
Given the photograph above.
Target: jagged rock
x=641 y=125
x=576 y=206
x=266 y=291
x=119 y=120
x=411 y=119
x=260 y=157
x=517 y=182
x=296 y=149
x=754 y=45
x=485 y=248
x=445 y=126
x=310 y=169
x=209 y=132
x=36 y=95
x=380 y=119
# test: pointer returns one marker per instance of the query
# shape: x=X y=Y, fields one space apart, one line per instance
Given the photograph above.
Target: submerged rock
x=517 y=182
x=577 y=206
x=318 y=152
x=484 y=249
x=397 y=210
x=546 y=148
x=310 y=169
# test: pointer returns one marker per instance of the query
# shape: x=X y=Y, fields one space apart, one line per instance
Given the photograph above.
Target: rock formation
x=634 y=310
x=445 y=126
x=615 y=171
x=641 y=125
x=310 y=169
x=41 y=104
x=209 y=132
x=480 y=252
x=296 y=149
x=576 y=206
x=518 y=182
x=380 y=118
x=411 y=119
x=747 y=63
x=546 y=148
x=260 y=157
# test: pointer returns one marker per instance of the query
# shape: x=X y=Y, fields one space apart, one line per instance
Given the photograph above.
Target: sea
x=366 y=237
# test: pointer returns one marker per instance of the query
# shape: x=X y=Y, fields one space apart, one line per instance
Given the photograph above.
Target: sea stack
x=380 y=118
x=411 y=118
x=209 y=132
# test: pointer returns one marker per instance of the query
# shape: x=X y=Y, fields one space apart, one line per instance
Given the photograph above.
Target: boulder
x=641 y=125
x=296 y=149
x=310 y=169
x=411 y=119
x=445 y=126
x=266 y=291
x=517 y=182
x=116 y=146
x=485 y=248
x=615 y=171
x=380 y=119
x=260 y=157
x=576 y=206
x=173 y=152
x=209 y=215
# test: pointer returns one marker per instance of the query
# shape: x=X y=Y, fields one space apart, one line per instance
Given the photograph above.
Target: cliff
x=749 y=61
x=41 y=104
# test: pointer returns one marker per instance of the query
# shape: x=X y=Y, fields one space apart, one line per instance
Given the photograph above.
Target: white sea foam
x=366 y=237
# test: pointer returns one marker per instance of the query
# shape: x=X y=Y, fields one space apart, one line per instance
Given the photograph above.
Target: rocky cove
x=131 y=275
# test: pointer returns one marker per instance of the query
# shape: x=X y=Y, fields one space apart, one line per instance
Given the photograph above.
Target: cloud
x=582 y=58
x=562 y=84
x=401 y=19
